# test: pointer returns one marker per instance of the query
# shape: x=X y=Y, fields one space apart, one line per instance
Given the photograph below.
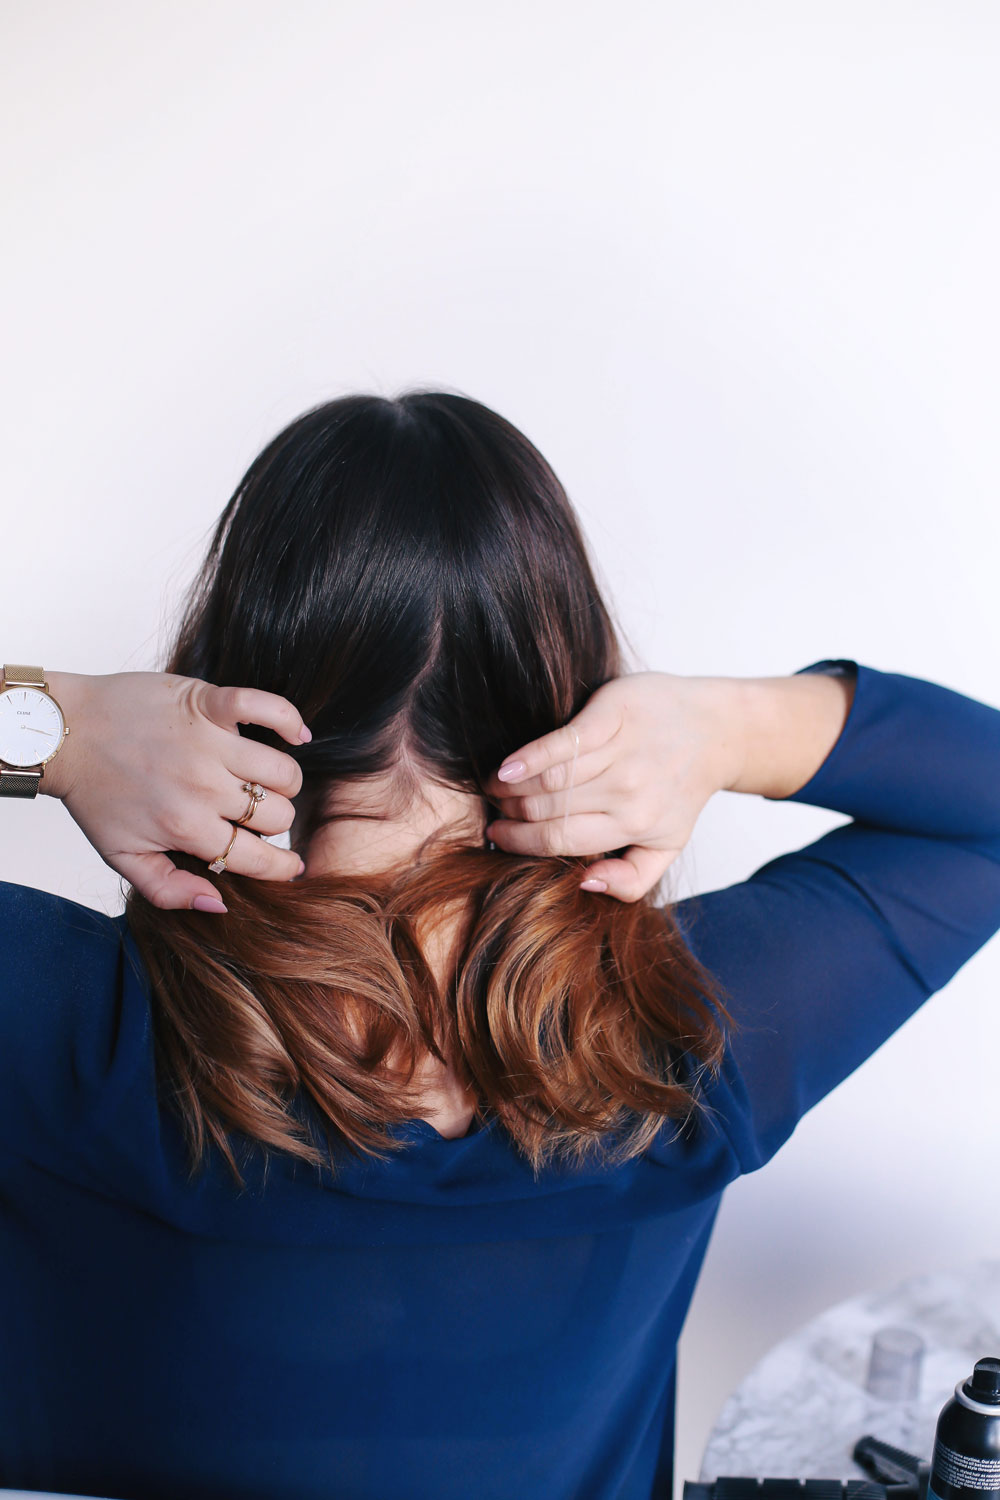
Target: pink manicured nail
x=593 y=885
x=305 y=736
x=511 y=770
x=302 y=867
x=208 y=903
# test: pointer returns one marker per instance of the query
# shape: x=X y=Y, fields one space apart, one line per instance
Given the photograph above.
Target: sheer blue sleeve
x=824 y=952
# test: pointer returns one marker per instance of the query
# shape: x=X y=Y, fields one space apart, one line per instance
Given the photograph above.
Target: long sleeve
x=59 y=1016
x=824 y=952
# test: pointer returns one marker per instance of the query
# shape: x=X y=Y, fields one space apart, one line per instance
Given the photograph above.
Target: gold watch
x=32 y=729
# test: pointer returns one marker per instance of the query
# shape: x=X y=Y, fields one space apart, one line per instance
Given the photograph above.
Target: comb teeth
x=745 y=1487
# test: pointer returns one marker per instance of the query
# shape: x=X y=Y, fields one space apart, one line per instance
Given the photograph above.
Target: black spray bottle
x=966 y=1460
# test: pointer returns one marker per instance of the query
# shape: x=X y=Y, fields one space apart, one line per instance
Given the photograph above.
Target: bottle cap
x=984 y=1382
x=894 y=1364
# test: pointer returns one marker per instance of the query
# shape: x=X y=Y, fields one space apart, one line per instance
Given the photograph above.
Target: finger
x=596 y=723
x=631 y=877
x=580 y=833
x=593 y=796
x=554 y=778
x=156 y=877
x=230 y=706
x=250 y=855
x=249 y=760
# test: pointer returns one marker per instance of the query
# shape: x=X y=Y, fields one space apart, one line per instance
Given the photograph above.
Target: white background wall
x=733 y=267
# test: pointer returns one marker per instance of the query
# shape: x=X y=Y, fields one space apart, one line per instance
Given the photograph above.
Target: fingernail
x=511 y=770
x=302 y=867
x=593 y=885
x=305 y=736
x=208 y=903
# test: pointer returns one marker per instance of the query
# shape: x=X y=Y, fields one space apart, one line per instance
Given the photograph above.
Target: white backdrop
x=732 y=267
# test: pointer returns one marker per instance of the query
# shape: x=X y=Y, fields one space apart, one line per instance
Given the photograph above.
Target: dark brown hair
x=411 y=575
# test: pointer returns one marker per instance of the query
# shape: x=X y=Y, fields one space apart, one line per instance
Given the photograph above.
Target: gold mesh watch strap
x=23 y=676
x=15 y=782
x=18 y=783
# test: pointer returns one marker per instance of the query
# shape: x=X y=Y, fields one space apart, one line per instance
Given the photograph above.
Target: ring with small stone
x=257 y=794
x=218 y=865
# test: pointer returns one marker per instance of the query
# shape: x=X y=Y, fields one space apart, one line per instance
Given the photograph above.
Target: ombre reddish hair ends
x=411 y=575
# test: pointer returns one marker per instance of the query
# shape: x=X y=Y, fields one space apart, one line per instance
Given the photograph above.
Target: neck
x=362 y=839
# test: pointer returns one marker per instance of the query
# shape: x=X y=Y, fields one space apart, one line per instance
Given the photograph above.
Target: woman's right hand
x=653 y=748
x=155 y=762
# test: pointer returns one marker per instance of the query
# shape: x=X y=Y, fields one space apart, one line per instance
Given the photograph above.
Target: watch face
x=31 y=726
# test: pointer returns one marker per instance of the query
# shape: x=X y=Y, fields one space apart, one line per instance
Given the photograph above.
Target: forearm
x=914 y=757
x=787 y=727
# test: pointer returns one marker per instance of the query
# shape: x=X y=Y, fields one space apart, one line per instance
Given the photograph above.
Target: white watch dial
x=31 y=726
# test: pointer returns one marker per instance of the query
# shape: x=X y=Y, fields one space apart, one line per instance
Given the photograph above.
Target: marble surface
x=802 y=1408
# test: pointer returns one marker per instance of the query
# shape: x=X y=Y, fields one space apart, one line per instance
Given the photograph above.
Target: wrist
x=68 y=689
x=727 y=711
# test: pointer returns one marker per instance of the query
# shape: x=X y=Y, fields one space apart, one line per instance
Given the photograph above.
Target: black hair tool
x=895 y=1475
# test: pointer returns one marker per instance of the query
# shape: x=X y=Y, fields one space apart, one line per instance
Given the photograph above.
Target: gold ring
x=257 y=794
x=218 y=865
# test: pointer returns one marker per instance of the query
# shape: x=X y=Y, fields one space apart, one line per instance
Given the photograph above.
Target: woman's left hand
x=155 y=762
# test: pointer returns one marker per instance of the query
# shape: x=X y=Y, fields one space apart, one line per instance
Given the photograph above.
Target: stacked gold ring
x=257 y=793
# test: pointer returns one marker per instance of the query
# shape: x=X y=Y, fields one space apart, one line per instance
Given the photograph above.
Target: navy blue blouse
x=444 y=1325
